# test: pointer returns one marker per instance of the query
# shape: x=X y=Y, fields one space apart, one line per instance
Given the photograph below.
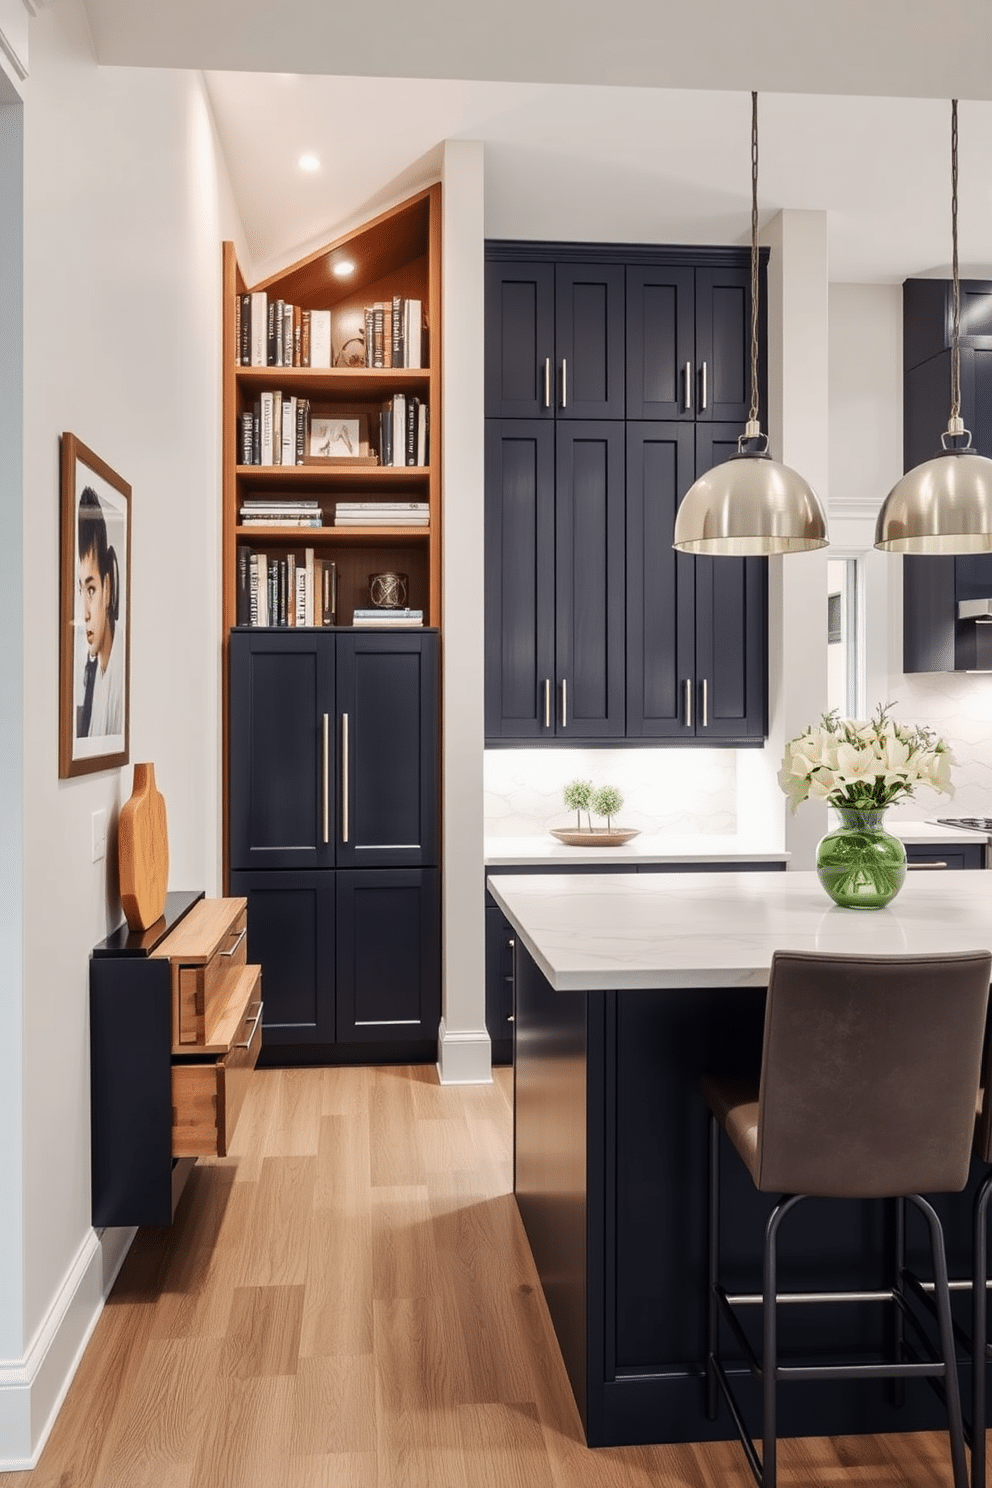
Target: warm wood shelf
x=315 y=536
x=385 y=476
x=327 y=383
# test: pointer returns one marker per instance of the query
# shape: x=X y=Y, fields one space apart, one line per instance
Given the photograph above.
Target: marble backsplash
x=664 y=790
x=958 y=706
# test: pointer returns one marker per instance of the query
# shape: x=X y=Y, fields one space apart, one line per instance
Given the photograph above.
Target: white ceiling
x=625 y=123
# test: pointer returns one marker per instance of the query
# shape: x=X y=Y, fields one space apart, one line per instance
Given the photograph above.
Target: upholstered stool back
x=870 y=1074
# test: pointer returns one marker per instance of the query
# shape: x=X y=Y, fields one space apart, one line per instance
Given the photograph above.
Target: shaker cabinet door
x=520 y=340
x=731 y=625
x=661 y=613
x=520 y=580
x=589 y=580
x=589 y=341
x=291 y=936
x=386 y=719
x=282 y=749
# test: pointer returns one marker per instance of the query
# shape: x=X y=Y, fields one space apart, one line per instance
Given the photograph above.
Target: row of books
x=389 y=619
x=274 y=512
x=285 y=590
x=404 y=431
x=275 y=431
x=382 y=514
x=271 y=332
x=394 y=333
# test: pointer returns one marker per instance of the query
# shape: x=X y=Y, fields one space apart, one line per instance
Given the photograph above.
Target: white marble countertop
x=927 y=832
x=696 y=847
x=616 y=931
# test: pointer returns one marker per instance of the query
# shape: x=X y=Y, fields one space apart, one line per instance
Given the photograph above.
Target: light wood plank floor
x=348 y=1301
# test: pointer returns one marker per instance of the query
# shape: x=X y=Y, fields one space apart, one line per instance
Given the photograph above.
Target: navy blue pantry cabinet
x=554 y=340
x=689 y=341
x=555 y=540
x=696 y=627
x=596 y=629
x=333 y=831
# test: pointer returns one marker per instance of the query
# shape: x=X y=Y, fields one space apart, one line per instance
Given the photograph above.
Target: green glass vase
x=860 y=865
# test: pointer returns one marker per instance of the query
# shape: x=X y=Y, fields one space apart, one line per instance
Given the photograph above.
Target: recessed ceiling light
x=343 y=268
x=309 y=163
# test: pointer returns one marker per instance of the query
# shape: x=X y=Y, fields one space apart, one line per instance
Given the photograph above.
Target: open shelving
x=395 y=254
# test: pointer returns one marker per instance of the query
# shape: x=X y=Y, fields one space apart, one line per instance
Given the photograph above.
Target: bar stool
x=868 y=1087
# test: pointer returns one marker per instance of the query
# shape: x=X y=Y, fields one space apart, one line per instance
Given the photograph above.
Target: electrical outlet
x=98 y=829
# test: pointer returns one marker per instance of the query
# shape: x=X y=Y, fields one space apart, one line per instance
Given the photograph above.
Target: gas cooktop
x=973 y=823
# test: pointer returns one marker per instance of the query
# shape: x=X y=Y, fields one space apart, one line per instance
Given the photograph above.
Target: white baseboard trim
x=32 y=1389
x=464 y=1058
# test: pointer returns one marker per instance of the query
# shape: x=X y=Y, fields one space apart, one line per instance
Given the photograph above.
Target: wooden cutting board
x=143 y=851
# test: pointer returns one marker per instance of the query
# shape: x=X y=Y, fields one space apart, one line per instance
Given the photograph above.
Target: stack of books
x=382 y=514
x=389 y=618
x=271 y=512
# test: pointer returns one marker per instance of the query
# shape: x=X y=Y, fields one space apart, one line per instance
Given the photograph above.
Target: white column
x=464 y=1051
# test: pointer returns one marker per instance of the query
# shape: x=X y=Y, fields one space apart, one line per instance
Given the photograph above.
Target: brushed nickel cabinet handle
x=928 y=865
x=344 y=777
x=564 y=703
x=254 y=1026
x=687 y=376
x=547 y=702
x=705 y=704
x=547 y=382
x=327 y=777
x=702 y=393
x=564 y=383
x=687 y=684
x=234 y=947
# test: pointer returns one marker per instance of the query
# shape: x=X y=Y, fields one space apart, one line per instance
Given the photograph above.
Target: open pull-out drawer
x=208 y=1087
x=202 y=951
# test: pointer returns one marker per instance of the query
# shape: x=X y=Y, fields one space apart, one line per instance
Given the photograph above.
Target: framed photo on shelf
x=336 y=438
x=94 y=613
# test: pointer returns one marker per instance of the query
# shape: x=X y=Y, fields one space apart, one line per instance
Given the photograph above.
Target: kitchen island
x=628 y=988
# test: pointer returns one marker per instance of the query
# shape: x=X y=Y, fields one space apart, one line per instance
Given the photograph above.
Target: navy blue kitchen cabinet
x=934 y=638
x=689 y=341
x=595 y=629
x=333 y=835
x=554 y=339
x=555 y=540
x=696 y=627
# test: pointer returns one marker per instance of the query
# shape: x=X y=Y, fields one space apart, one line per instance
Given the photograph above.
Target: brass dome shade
x=942 y=506
x=750 y=506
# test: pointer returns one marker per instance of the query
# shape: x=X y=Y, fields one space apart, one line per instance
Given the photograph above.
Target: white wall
x=125 y=206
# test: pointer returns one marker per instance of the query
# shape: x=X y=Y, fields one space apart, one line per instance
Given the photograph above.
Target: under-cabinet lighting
x=342 y=268
x=309 y=162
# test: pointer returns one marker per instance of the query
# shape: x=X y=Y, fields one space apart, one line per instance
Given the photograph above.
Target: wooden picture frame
x=94 y=613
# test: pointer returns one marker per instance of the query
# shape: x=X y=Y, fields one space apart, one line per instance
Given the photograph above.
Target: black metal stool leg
x=942 y=1299
x=713 y=1270
x=979 y=1331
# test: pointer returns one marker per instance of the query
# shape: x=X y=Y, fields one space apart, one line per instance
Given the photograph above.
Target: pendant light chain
x=753 y=416
x=955 y=286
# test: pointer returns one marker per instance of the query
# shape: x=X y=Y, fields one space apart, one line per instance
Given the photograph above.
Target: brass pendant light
x=945 y=504
x=750 y=505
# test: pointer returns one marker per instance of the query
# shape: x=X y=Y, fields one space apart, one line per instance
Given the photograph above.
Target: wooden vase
x=143 y=851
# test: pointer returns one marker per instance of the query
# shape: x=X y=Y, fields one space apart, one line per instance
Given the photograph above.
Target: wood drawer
x=203 y=950
x=207 y=1094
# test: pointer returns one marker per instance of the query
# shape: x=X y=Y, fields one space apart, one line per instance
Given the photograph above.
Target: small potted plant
x=577 y=796
x=607 y=801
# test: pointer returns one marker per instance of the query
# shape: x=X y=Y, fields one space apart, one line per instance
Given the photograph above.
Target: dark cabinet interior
x=333 y=831
x=934 y=638
x=595 y=629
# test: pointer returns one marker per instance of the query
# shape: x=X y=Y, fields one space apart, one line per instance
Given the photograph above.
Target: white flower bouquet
x=864 y=765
